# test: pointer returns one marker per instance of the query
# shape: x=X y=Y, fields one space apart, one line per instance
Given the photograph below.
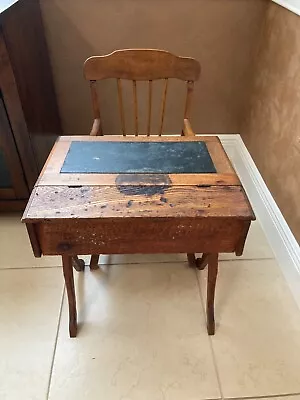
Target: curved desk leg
x=211 y=286
x=69 y=281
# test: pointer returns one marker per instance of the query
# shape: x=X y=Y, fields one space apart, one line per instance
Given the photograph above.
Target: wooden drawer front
x=140 y=235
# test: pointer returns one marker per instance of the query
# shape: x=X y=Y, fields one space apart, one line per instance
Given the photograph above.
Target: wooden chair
x=141 y=65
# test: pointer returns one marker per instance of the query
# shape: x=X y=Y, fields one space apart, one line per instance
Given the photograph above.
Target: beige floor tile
x=30 y=302
x=142 y=337
x=15 y=248
x=256 y=247
x=291 y=397
x=257 y=340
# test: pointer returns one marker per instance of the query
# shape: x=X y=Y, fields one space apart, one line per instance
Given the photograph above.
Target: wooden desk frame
x=71 y=214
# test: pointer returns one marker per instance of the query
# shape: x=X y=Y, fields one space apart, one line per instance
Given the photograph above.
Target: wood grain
x=155 y=235
x=62 y=202
x=55 y=179
x=141 y=64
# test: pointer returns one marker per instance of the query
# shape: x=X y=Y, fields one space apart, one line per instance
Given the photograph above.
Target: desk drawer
x=141 y=235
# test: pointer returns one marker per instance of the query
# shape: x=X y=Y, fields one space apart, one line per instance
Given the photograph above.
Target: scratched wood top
x=86 y=202
x=58 y=196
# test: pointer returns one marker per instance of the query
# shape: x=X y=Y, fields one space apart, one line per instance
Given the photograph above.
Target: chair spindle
x=163 y=106
x=122 y=115
x=149 y=108
x=135 y=108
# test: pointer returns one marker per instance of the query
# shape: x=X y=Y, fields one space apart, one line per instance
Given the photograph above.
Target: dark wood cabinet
x=28 y=106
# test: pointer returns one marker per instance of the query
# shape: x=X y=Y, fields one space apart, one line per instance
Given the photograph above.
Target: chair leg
x=202 y=262
x=78 y=263
x=94 y=261
x=211 y=286
x=191 y=260
x=69 y=281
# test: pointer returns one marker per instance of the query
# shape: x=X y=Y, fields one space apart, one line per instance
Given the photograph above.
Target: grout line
x=142 y=263
x=55 y=344
x=271 y=396
x=209 y=338
x=248 y=259
x=24 y=268
x=185 y=261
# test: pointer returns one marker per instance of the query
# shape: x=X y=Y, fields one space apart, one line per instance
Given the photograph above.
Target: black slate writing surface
x=138 y=157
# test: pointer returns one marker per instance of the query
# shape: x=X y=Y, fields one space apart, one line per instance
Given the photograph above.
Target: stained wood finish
x=141 y=65
x=23 y=30
x=28 y=92
x=94 y=261
x=191 y=259
x=163 y=106
x=78 y=264
x=202 y=262
x=51 y=175
x=167 y=214
x=157 y=201
x=155 y=235
x=31 y=229
x=241 y=244
x=211 y=287
x=122 y=114
x=19 y=189
x=13 y=107
x=149 y=108
x=190 y=87
x=135 y=103
x=69 y=280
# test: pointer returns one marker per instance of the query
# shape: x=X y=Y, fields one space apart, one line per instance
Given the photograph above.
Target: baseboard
x=279 y=235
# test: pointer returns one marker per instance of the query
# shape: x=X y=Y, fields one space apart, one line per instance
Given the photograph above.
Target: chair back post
x=140 y=65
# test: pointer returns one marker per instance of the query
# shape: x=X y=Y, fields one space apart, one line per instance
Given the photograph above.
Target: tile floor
x=142 y=329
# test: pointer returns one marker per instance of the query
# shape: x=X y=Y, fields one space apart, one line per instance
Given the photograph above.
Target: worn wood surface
x=139 y=235
x=139 y=213
x=63 y=202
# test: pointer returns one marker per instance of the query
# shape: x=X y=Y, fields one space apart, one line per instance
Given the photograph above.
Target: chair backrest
x=141 y=65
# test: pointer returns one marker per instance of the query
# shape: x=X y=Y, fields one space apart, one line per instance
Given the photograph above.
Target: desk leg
x=94 y=262
x=211 y=286
x=69 y=280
